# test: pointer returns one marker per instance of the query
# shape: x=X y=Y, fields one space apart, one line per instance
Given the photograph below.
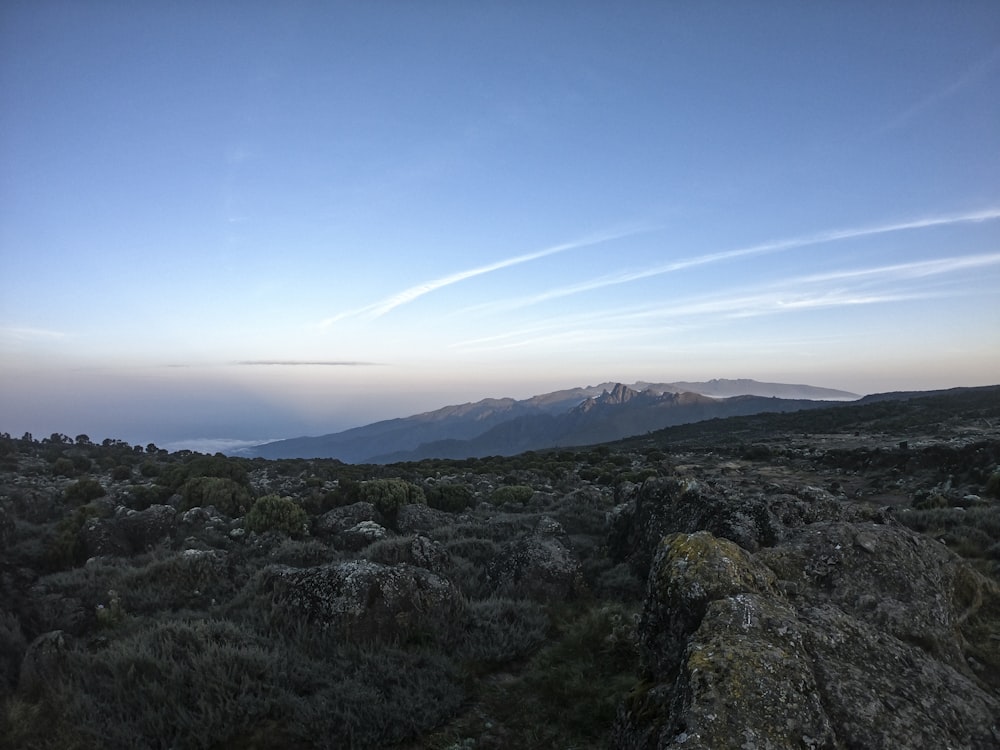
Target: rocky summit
x=824 y=579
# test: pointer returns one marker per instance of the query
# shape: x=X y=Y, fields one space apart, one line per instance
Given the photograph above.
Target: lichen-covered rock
x=420 y=517
x=339 y=519
x=365 y=599
x=417 y=550
x=128 y=531
x=845 y=635
x=536 y=566
x=689 y=572
x=205 y=527
x=664 y=506
x=360 y=536
x=906 y=584
x=145 y=528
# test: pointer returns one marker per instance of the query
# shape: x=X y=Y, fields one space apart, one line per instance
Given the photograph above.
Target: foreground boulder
x=364 y=599
x=847 y=635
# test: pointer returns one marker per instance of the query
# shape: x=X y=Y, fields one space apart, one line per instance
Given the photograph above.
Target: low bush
x=225 y=494
x=83 y=491
x=389 y=495
x=274 y=513
x=516 y=494
x=453 y=498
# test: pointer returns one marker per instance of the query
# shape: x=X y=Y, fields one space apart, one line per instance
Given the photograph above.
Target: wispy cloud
x=30 y=334
x=763 y=248
x=380 y=308
x=303 y=362
x=967 y=78
x=846 y=288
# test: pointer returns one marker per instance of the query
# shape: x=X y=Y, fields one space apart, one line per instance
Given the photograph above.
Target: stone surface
x=339 y=519
x=420 y=517
x=536 y=566
x=847 y=635
x=365 y=599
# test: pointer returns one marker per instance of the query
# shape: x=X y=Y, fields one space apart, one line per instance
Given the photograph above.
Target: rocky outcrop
x=537 y=566
x=420 y=517
x=418 y=550
x=360 y=535
x=128 y=531
x=364 y=599
x=844 y=635
x=663 y=506
x=340 y=519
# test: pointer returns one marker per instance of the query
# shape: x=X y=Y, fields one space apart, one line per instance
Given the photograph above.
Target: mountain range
x=576 y=416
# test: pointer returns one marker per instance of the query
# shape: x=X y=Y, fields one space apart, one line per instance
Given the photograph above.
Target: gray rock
x=844 y=635
x=536 y=566
x=339 y=519
x=418 y=517
x=128 y=531
x=366 y=600
x=360 y=536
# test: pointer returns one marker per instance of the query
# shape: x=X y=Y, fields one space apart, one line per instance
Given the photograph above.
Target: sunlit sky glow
x=246 y=221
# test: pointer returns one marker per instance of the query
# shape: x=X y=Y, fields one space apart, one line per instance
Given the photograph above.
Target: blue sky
x=258 y=220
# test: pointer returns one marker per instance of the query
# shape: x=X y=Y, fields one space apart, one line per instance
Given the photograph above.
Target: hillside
x=507 y=426
x=825 y=579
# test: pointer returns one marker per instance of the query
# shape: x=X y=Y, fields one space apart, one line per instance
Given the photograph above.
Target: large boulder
x=364 y=599
x=128 y=531
x=340 y=519
x=845 y=635
x=752 y=519
x=537 y=566
x=419 y=517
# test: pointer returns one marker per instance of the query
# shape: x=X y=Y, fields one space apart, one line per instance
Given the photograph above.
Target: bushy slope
x=689 y=589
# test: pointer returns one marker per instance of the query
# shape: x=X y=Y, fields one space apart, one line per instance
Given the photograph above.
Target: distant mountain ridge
x=575 y=416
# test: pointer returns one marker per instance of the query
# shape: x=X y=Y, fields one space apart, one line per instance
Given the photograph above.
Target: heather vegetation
x=550 y=599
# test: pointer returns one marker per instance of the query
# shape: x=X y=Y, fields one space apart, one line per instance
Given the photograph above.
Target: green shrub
x=226 y=495
x=389 y=495
x=274 y=513
x=141 y=496
x=121 y=472
x=452 y=498
x=518 y=494
x=63 y=467
x=149 y=469
x=84 y=491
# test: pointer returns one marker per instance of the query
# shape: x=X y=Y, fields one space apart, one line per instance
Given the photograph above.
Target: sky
x=242 y=221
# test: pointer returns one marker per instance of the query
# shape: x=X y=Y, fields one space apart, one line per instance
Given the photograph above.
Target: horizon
x=322 y=216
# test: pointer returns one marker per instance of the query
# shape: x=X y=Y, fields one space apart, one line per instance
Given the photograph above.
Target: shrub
x=518 y=494
x=274 y=513
x=121 y=472
x=84 y=491
x=225 y=494
x=389 y=495
x=141 y=496
x=63 y=467
x=452 y=498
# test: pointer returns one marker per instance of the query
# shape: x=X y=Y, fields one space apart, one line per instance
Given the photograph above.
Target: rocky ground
x=802 y=581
